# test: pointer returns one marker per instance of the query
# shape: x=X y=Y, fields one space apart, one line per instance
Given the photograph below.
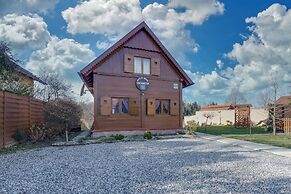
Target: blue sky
x=221 y=44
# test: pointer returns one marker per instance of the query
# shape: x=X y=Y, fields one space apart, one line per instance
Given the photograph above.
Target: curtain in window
x=125 y=105
x=166 y=106
x=158 y=107
x=115 y=106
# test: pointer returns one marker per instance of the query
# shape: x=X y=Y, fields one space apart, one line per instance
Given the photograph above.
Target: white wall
x=221 y=116
x=258 y=115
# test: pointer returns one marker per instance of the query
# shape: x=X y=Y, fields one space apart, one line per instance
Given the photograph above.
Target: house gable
x=140 y=45
x=142 y=40
x=138 y=36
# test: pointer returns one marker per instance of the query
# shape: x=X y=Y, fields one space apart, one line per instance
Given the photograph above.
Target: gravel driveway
x=165 y=166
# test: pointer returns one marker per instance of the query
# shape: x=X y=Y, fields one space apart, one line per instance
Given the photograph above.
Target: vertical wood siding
x=114 y=77
x=287 y=125
x=17 y=112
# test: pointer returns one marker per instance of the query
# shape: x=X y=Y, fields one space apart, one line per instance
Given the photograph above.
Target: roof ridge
x=88 y=69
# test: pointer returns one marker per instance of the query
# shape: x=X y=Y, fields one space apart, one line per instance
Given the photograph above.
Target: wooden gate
x=287 y=125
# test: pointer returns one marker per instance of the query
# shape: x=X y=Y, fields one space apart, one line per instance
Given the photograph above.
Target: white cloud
x=263 y=56
x=114 y=18
x=197 y=11
x=171 y=31
x=103 y=44
x=63 y=55
x=266 y=52
x=219 y=64
x=103 y=16
x=24 y=31
x=26 y=6
x=207 y=88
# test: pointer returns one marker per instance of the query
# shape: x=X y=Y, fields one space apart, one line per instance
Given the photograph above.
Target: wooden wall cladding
x=174 y=107
x=128 y=63
x=133 y=106
x=124 y=87
x=155 y=66
x=17 y=112
x=151 y=107
x=105 y=106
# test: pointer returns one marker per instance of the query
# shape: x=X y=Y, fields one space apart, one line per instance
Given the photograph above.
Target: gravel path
x=163 y=166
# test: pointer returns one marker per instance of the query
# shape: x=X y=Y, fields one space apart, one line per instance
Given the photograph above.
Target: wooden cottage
x=137 y=85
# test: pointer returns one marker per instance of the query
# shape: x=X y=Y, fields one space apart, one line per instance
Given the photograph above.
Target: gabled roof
x=284 y=100
x=224 y=107
x=86 y=73
x=217 y=107
x=25 y=72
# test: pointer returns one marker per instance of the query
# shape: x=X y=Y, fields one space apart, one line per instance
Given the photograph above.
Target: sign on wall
x=142 y=83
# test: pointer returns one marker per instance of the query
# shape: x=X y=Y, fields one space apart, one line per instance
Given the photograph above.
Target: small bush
x=147 y=135
x=19 y=136
x=61 y=115
x=228 y=123
x=37 y=132
x=191 y=127
x=118 y=136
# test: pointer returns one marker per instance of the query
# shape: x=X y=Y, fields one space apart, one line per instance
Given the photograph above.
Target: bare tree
x=208 y=115
x=265 y=98
x=275 y=89
x=62 y=115
x=87 y=114
x=56 y=87
x=235 y=96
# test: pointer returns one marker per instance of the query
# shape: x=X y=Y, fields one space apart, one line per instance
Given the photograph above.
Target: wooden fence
x=287 y=125
x=17 y=112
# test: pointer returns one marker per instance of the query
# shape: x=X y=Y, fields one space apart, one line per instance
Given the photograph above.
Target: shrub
x=191 y=127
x=228 y=123
x=40 y=132
x=118 y=137
x=147 y=135
x=62 y=115
x=19 y=136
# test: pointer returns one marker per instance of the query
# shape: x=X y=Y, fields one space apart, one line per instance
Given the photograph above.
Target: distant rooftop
x=284 y=100
x=224 y=107
x=25 y=72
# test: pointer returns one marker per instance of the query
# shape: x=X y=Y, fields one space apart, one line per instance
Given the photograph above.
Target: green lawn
x=258 y=135
x=277 y=140
x=225 y=130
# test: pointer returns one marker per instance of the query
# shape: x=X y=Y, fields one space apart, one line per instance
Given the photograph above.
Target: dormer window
x=142 y=65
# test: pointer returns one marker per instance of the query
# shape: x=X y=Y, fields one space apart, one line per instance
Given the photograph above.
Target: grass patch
x=277 y=140
x=259 y=135
x=229 y=130
x=100 y=139
x=24 y=147
x=28 y=145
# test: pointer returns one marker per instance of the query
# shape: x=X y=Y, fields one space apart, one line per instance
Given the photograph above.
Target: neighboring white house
x=223 y=114
x=220 y=117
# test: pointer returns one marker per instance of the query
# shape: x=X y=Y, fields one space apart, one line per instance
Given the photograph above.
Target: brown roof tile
x=284 y=100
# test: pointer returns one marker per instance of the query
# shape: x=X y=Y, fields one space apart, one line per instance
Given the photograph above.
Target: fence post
x=2 y=119
x=29 y=111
